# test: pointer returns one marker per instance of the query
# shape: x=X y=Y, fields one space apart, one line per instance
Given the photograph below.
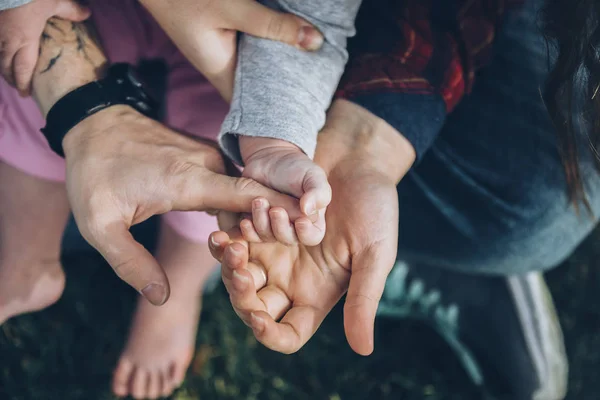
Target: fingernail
x=310 y=208
x=213 y=242
x=258 y=324
x=257 y=204
x=310 y=38
x=155 y=294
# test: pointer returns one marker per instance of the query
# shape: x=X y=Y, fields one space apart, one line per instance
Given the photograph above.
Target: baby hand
x=284 y=167
x=20 y=31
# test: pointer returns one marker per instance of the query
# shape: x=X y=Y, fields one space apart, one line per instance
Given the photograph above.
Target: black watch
x=120 y=86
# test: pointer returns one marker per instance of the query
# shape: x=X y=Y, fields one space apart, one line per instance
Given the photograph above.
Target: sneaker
x=504 y=330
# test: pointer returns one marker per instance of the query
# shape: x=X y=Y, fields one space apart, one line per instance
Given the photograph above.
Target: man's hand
x=20 y=33
x=205 y=32
x=123 y=168
x=365 y=158
x=282 y=166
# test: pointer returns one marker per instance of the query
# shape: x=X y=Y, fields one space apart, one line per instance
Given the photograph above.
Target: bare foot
x=29 y=287
x=33 y=215
x=162 y=339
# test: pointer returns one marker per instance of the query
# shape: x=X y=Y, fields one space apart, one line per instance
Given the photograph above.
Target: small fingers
x=261 y=220
x=283 y=230
x=23 y=67
x=248 y=231
x=317 y=191
x=309 y=233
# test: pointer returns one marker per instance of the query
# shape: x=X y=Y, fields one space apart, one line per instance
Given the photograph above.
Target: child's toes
x=122 y=378
x=154 y=385
x=139 y=384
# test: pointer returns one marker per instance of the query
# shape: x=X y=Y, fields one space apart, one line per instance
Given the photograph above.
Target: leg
x=485 y=211
x=161 y=341
x=33 y=215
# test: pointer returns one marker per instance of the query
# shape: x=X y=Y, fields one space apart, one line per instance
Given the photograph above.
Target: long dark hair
x=572 y=28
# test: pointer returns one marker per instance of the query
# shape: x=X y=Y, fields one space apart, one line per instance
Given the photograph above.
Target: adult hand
x=20 y=32
x=123 y=168
x=365 y=158
x=205 y=32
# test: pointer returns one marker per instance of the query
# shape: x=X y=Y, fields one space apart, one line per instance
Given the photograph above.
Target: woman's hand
x=297 y=285
x=205 y=32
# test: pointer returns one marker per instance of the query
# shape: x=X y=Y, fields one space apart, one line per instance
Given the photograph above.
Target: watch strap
x=89 y=99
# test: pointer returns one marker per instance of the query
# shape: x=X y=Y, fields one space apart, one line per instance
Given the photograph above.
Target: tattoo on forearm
x=59 y=36
x=52 y=62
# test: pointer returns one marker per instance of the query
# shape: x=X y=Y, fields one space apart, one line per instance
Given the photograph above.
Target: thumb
x=72 y=11
x=255 y=19
x=369 y=273
x=130 y=261
x=317 y=191
x=221 y=192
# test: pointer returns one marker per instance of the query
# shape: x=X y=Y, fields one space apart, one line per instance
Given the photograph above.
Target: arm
x=69 y=57
x=413 y=73
x=21 y=26
x=6 y=4
x=281 y=92
x=123 y=168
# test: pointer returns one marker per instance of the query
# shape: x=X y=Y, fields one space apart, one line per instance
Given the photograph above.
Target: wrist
x=69 y=58
x=252 y=146
x=354 y=133
x=101 y=121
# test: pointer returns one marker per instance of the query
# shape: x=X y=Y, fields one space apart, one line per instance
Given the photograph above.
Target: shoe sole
x=543 y=334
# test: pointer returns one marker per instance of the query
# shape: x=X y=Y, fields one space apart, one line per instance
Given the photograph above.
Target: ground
x=68 y=351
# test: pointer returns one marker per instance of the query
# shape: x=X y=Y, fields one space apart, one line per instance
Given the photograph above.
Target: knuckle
x=247 y=185
x=126 y=268
x=276 y=26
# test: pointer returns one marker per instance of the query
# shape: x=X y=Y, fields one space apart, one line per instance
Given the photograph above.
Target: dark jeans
x=490 y=195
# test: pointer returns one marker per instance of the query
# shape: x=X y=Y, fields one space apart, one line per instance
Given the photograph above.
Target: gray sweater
x=281 y=92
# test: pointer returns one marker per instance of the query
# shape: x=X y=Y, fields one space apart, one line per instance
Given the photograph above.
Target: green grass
x=68 y=351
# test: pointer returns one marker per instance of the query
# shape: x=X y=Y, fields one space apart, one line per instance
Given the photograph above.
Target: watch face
x=132 y=89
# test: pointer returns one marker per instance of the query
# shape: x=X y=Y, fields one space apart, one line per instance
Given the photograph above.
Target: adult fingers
x=23 y=66
x=72 y=11
x=7 y=55
x=129 y=259
x=222 y=192
x=367 y=281
x=295 y=329
x=255 y=19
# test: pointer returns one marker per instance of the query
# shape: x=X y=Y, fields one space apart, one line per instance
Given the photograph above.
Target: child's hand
x=20 y=33
x=285 y=168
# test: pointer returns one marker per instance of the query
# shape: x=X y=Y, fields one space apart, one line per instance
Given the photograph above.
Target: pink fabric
x=128 y=34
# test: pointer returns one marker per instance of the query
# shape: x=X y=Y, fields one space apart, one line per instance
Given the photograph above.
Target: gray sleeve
x=6 y=4
x=281 y=92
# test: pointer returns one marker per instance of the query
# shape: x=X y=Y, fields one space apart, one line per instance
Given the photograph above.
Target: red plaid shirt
x=422 y=47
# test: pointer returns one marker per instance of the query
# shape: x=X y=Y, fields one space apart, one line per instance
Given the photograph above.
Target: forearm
x=70 y=56
x=353 y=134
x=283 y=93
x=6 y=4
